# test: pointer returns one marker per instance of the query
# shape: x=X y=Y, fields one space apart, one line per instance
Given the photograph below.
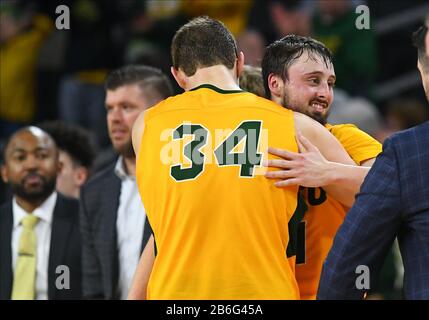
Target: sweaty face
x=309 y=87
x=123 y=105
x=31 y=165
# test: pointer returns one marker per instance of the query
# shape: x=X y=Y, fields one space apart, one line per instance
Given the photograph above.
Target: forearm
x=343 y=182
x=142 y=274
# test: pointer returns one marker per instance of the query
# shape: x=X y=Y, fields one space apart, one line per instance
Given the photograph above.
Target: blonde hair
x=251 y=80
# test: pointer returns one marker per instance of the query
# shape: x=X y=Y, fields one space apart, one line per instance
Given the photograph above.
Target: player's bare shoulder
x=306 y=125
x=143 y=117
x=138 y=129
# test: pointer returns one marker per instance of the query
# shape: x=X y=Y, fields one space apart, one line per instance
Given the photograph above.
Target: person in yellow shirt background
x=22 y=33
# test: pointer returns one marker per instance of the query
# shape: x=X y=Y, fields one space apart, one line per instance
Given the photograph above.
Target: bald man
x=40 y=246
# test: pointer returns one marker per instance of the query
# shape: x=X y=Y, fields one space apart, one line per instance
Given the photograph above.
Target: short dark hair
x=203 y=42
x=418 y=39
x=151 y=80
x=281 y=54
x=72 y=139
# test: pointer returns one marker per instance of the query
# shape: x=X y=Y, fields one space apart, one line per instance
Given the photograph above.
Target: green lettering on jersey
x=301 y=233
x=191 y=151
x=312 y=200
x=294 y=246
x=249 y=130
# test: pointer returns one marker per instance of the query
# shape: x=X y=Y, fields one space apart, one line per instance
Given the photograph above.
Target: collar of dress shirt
x=44 y=212
x=120 y=169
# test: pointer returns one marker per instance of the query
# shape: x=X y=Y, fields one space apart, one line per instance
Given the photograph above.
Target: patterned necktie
x=24 y=280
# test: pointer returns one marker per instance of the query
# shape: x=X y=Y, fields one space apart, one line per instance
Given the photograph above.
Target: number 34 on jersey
x=190 y=147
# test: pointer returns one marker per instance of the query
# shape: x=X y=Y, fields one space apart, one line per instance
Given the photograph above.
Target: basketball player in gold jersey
x=299 y=75
x=221 y=230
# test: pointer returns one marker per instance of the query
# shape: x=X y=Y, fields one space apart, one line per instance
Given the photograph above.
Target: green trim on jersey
x=214 y=88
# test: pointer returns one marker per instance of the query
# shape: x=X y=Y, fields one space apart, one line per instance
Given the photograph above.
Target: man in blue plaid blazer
x=393 y=202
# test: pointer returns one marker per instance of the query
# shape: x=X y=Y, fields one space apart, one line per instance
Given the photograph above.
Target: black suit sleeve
x=367 y=233
x=91 y=271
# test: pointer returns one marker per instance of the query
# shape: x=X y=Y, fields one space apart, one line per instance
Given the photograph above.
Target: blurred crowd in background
x=48 y=74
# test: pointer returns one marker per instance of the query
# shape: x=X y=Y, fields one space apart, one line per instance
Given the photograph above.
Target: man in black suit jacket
x=30 y=168
x=393 y=202
x=113 y=221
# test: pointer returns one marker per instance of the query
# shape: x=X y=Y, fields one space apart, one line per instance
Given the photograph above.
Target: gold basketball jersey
x=221 y=228
x=325 y=214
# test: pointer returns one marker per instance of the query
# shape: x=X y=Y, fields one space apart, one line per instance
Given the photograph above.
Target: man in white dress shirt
x=113 y=217
x=40 y=248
